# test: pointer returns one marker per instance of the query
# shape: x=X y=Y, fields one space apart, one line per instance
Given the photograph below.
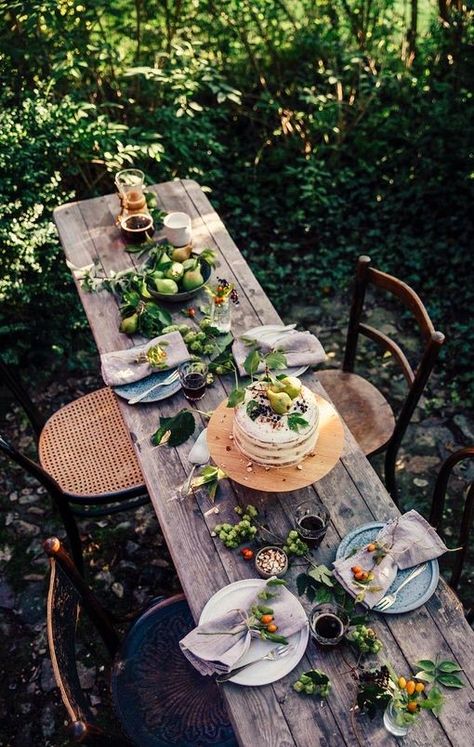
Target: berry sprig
x=365 y=639
x=233 y=535
x=222 y=292
x=314 y=682
x=294 y=545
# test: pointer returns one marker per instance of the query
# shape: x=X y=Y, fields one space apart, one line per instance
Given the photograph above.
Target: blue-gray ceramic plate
x=129 y=391
x=416 y=593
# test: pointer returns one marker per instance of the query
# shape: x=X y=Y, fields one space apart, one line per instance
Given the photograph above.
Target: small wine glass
x=312 y=521
x=193 y=377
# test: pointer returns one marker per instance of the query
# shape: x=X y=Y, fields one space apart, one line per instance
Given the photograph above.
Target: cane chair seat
x=364 y=409
x=86 y=447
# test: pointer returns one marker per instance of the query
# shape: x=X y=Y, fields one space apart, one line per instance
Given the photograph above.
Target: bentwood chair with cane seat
x=437 y=509
x=159 y=698
x=86 y=458
x=366 y=411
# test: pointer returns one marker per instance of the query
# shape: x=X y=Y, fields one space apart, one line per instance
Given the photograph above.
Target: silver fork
x=276 y=653
x=389 y=599
x=169 y=380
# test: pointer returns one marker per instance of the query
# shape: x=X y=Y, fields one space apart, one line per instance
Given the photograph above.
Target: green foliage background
x=317 y=133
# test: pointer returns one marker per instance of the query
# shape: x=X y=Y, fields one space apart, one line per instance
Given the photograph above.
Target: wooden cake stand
x=228 y=457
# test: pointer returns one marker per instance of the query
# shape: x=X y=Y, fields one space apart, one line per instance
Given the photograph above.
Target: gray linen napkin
x=300 y=349
x=220 y=652
x=120 y=367
x=409 y=541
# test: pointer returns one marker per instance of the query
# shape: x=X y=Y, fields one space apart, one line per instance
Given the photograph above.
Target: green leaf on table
x=434 y=701
x=153 y=319
x=275 y=360
x=426 y=664
x=209 y=256
x=322 y=595
x=318 y=677
x=322 y=574
x=425 y=676
x=209 y=476
x=276 y=582
x=236 y=397
x=448 y=667
x=175 y=430
x=301 y=583
x=252 y=362
x=139 y=248
x=220 y=343
x=253 y=409
x=295 y=421
x=450 y=680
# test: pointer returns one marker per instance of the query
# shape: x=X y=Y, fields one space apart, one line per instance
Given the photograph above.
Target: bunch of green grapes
x=365 y=639
x=197 y=339
x=294 y=545
x=232 y=535
x=314 y=682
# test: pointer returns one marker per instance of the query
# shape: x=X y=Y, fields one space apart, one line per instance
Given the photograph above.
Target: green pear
x=292 y=386
x=182 y=253
x=166 y=285
x=277 y=386
x=280 y=401
x=157 y=275
x=175 y=272
x=164 y=260
x=191 y=264
x=192 y=279
x=129 y=325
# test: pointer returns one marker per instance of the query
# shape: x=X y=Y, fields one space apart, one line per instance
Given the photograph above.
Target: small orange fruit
x=356 y=569
x=402 y=683
x=412 y=706
x=372 y=547
x=411 y=687
x=419 y=687
x=266 y=619
x=359 y=576
x=272 y=628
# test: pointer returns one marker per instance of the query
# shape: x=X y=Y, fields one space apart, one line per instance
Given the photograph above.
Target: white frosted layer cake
x=266 y=437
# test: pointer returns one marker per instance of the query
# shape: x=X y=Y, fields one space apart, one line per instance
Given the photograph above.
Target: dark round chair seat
x=160 y=699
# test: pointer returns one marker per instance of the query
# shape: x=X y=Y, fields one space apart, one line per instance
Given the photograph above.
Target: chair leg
x=71 y=528
x=389 y=473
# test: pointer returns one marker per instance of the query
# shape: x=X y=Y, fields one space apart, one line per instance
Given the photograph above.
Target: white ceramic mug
x=178 y=228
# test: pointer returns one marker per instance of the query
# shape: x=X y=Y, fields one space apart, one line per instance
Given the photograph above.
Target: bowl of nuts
x=271 y=561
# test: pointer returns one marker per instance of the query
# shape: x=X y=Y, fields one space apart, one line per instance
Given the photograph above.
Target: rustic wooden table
x=273 y=715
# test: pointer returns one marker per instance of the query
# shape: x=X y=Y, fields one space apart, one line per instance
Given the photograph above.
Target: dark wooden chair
x=364 y=408
x=160 y=699
x=437 y=509
x=86 y=458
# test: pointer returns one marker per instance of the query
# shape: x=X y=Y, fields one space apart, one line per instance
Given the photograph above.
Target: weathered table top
x=273 y=715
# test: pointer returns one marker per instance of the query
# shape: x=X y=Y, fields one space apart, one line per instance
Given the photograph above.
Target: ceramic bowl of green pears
x=181 y=281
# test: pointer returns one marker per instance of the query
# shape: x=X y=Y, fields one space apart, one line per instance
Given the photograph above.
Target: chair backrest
x=68 y=594
x=416 y=379
x=11 y=379
x=437 y=508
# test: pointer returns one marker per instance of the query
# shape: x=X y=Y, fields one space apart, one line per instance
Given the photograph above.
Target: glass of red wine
x=328 y=624
x=193 y=377
x=312 y=521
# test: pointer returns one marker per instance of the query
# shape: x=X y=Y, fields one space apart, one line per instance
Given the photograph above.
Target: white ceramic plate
x=270 y=332
x=262 y=672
